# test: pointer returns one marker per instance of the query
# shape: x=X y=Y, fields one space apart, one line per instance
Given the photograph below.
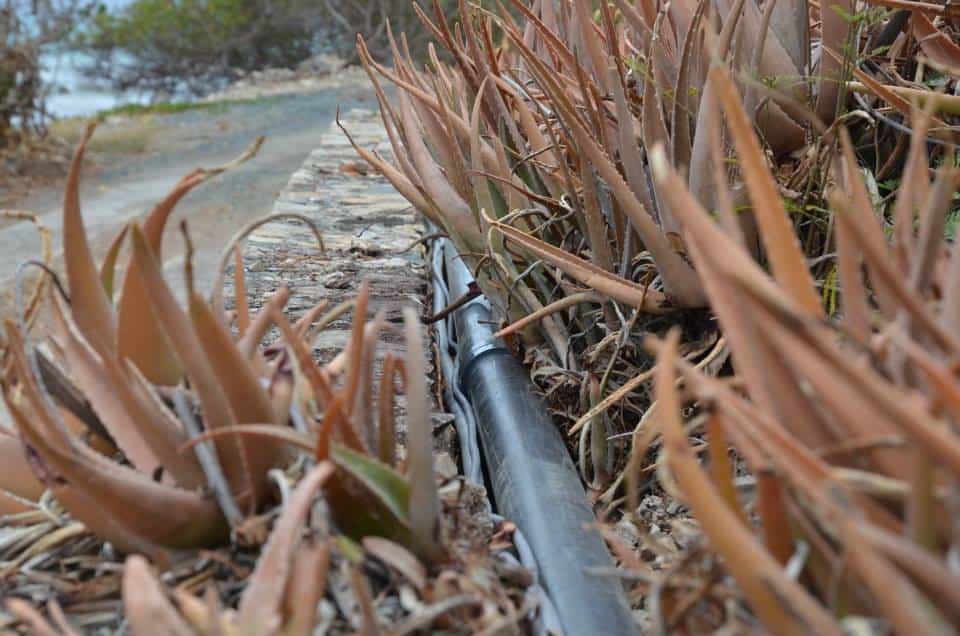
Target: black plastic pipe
x=533 y=479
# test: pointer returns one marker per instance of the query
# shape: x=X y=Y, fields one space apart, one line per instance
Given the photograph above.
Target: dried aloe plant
x=392 y=513
x=280 y=597
x=848 y=423
x=527 y=137
x=537 y=132
x=154 y=466
x=158 y=494
x=86 y=383
x=367 y=496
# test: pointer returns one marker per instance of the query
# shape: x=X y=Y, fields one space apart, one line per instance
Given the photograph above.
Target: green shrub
x=157 y=45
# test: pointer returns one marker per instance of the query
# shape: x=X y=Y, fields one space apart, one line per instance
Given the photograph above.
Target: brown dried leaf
x=146 y=605
x=91 y=306
x=783 y=248
x=234 y=456
x=399 y=558
x=780 y=603
x=617 y=288
x=261 y=605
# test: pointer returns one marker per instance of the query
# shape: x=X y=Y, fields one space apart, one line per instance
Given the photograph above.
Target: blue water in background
x=74 y=95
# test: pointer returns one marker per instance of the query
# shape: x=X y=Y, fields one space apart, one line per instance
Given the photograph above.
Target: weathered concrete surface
x=368 y=230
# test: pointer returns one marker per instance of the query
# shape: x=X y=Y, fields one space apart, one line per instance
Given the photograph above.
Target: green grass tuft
x=163 y=108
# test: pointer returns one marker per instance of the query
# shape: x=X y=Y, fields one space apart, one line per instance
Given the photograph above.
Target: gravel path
x=119 y=188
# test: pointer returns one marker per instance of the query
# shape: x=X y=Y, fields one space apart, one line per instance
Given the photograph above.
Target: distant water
x=75 y=95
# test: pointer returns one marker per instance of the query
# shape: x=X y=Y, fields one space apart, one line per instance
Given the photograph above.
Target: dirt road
x=119 y=187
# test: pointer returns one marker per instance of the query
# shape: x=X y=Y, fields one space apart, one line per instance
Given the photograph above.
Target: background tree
x=161 y=45
x=26 y=27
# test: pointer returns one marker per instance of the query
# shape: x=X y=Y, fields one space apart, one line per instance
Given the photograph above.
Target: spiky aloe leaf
x=235 y=457
x=109 y=265
x=144 y=430
x=118 y=503
x=783 y=248
x=424 y=503
x=782 y=604
x=587 y=273
x=386 y=489
x=92 y=309
x=140 y=336
x=145 y=603
x=261 y=605
x=240 y=383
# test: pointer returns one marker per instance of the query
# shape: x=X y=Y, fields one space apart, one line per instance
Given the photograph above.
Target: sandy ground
x=118 y=186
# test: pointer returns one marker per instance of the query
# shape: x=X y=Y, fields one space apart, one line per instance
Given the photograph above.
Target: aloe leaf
x=618 y=288
x=717 y=253
x=679 y=277
x=590 y=41
x=936 y=44
x=456 y=212
x=140 y=336
x=356 y=346
x=304 y=364
x=424 y=502
x=305 y=588
x=239 y=382
x=781 y=604
x=261 y=605
x=142 y=429
x=91 y=305
x=262 y=321
x=783 y=248
x=109 y=265
x=369 y=498
x=390 y=489
x=654 y=130
x=836 y=25
x=145 y=603
x=386 y=422
x=233 y=454
x=115 y=501
x=908 y=611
